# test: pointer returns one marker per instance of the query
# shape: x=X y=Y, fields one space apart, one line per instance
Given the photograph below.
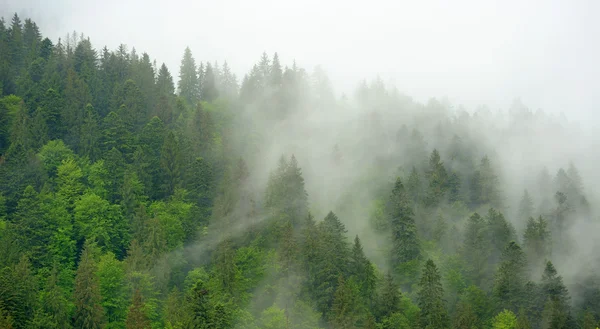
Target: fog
x=515 y=81
x=473 y=52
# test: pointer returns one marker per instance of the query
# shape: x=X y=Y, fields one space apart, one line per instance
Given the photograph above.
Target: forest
x=133 y=198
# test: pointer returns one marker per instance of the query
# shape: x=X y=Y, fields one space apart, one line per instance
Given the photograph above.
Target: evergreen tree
x=554 y=291
x=405 y=243
x=438 y=180
x=536 y=241
x=362 y=271
x=88 y=309
x=430 y=298
x=525 y=207
x=170 y=164
x=136 y=317
x=209 y=85
x=500 y=231
x=188 y=86
x=413 y=185
x=509 y=287
x=389 y=298
x=476 y=250
x=344 y=309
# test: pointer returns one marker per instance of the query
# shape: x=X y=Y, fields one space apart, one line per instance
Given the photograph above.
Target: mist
x=471 y=52
x=377 y=89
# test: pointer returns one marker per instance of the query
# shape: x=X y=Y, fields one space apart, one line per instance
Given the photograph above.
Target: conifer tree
x=209 y=85
x=438 y=180
x=476 y=250
x=525 y=207
x=362 y=271
x=501 y=232
x=89 y=313
x=537 y=241
x=509 y=286
x=136 y=317
x=405 y=243
x=345 y=305
x=554 y=291
x=430 y=298
x=413 y=185
x=389 y=297
x=188 y=86
x=465 y=317
x=170 y=164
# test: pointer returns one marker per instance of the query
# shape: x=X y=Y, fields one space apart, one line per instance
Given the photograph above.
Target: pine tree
x=363 y=271
x=554 y=291
x=209 y=85
x=18 y=293
x=405 y=243
x=170 y=164
x=388 y=299
x=430 y=298
x=413 y=185
x=537 y=241
x=500 y=231
x=345 y=305
x=476 y=250
x=276 y=73
x=188 y=86
x=438 y=180
x=136 y=317
x=522 y=321
x=465 y=317
x=509 y=287
x=89 y=313
x=525 y=207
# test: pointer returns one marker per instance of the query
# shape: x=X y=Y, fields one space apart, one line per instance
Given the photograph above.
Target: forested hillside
x=134 y=197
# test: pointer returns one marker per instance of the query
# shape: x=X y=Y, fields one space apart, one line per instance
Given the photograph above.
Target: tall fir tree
x=89 y=313
x=431 y=298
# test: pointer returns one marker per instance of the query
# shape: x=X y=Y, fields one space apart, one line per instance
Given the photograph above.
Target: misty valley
x=132 y=197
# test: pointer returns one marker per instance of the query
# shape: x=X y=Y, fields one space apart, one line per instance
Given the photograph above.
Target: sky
x=473 y=52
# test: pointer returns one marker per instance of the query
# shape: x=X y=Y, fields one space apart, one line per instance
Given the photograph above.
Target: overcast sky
x=471 y=51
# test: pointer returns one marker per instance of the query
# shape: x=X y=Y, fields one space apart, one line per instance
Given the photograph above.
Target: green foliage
x=89 y=313
x=505 y=320
x=430 y=298
x=125 y=203
x=100 y=221
x=509 y=287
x=111 y=277
x=405 y=243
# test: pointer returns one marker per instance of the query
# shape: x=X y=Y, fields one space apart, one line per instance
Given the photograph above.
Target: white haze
x=472 y=52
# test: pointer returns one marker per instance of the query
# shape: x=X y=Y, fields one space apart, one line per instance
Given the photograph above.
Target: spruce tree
x=405 y=243
x=188 y=86
x=388 y=299
x=345 y=308
x=476 y=250
x=431 y=298
x=537 y=241
x=525 y=207
x=136 y=317
x=509 y=286
x=554 y=291
x=209 y=85
x=363 y=271
x=89 y=313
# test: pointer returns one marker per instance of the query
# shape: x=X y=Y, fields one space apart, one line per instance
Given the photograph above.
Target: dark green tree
x=188 y=85
x=509 y=286
x=430 y=298
x=88 y=309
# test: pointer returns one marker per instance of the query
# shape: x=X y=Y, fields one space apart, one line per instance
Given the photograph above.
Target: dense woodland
x=130 y=198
